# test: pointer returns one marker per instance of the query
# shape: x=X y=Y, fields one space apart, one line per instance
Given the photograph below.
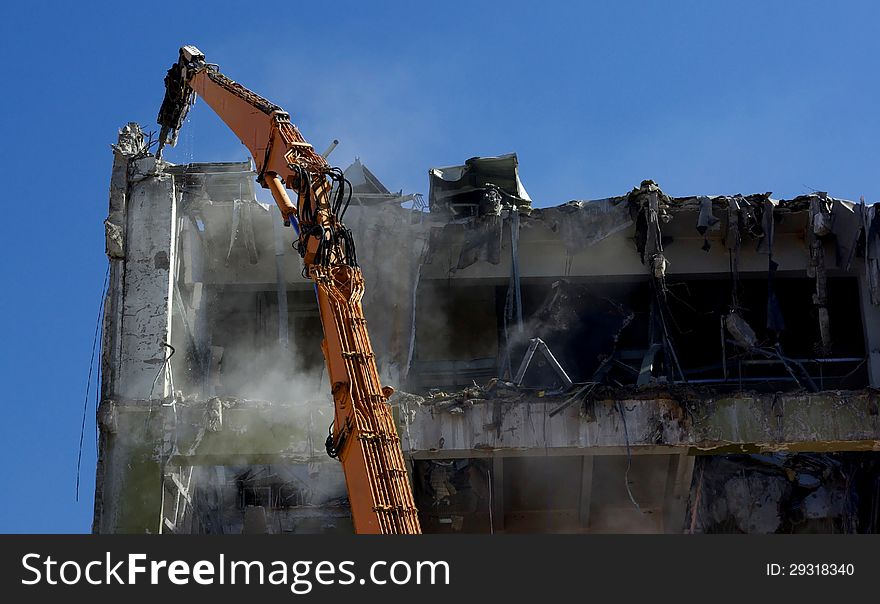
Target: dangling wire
x=628 y=459
x=82 y=430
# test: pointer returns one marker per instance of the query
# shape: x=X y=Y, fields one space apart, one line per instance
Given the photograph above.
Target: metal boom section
x=364 y=436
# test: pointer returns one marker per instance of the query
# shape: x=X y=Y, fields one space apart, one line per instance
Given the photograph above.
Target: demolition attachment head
x=179 y=96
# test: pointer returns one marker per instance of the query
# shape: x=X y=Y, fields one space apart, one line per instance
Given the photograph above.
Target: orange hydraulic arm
x=364 y=436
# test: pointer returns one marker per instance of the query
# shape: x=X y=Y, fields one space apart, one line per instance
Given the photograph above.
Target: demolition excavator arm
x=363 y=436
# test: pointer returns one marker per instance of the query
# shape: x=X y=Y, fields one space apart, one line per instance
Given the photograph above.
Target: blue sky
x=703 y=97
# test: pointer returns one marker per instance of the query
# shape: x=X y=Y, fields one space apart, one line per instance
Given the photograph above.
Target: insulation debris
x=459 y=190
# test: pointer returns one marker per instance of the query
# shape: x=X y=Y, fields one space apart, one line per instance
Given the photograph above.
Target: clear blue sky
x=732 y=97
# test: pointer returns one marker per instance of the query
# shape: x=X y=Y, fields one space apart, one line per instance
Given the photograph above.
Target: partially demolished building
x=640 y=363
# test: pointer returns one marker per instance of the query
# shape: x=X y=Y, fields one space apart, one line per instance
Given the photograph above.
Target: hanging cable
x=82 y=430
x=619 y=406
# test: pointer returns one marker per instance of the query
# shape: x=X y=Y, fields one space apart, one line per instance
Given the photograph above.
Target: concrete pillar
x=678 y=485
x=141 y=233
x=150 y=256
x=871 y=325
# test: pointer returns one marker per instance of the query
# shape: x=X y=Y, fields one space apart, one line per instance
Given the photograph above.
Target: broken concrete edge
x=251 y=431
x=773 y=422
x=694 y=450
x=497 y=390
x=132 y=148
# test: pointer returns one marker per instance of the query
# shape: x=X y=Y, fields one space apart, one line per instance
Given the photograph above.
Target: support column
x=678 y=484
x=871 y=326
x=143 y=218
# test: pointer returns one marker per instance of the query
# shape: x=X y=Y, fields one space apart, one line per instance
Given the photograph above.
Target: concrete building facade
x=640 y=363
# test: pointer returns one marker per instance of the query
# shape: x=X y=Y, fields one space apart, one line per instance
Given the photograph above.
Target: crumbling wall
x=741 y=292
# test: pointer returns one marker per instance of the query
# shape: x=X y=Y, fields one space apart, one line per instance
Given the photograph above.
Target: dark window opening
x=621 y=334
